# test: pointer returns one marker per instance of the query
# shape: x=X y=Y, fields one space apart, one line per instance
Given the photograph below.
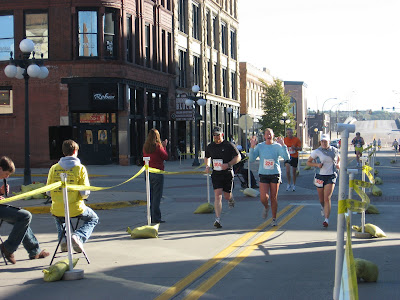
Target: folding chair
x=1 y=241
x=73 y=228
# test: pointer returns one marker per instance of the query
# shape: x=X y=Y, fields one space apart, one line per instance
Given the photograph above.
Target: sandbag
x=366 y=270
x=376 y=191
x=205 y=208
x=144 y=232
x=372 y=229
x=251 y=192
x=378 y=180
x=56 y=271
x=377 y=163
x=376 y=172
x=307 y=168
x=392 y=161
x=303 y=163
x=372 y=209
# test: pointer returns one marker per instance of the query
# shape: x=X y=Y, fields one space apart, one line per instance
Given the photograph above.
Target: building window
x=110 y=43
x=182 y=68
x=196 y=70
x=207 y=29
x=209 y=76
x=196 y=22
x=137 y=42
x=6 y=36
x=170 y=54
x=6 y=100
x=223 y=39
x=129 y=52
x=182 y=15
x=163 y=51
x=215 y=80
x=215 y=32
x=147 y=45
x=37 y=30
x=233 y=44
x=87 y=31
x=233 y=85
x=224 y=84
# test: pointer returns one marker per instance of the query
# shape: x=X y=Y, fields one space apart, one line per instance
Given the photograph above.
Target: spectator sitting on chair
x=240 y=168
x=76 y=174
x=20 y=219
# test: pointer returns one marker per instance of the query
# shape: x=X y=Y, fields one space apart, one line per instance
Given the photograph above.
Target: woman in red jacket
x=157 y=151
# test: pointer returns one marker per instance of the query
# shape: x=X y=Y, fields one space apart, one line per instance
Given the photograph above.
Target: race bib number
x=318 y=182
x=217 y=163
x=268 y=164
x=291 y=150
x=358 y=145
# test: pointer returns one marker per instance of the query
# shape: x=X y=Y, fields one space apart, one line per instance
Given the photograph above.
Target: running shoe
x=217 y=224
x=325 y=224
x=265 y=212
x=274 y=223
x=293 y=188
x=288 y=187
x=231 y=203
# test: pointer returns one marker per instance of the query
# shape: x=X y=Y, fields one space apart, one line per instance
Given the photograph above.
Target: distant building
x=298 y=101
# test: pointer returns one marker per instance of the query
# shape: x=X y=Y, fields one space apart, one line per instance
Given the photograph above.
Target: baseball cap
x=325 y=137
x=217 y=130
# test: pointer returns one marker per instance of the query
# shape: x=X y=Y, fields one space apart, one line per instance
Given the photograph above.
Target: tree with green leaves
x=275 y=102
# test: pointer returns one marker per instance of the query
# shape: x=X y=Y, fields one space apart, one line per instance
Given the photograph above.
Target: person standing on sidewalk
x=77 y=174
x=157 y=151
x=326 y=160
x=223 y=155
x=269 y=169
x=294 y=146
x=358 y=143
x=20 y=219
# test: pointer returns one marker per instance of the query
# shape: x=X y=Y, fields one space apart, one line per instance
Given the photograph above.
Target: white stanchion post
x=146 y=161
x=71 y=274
x=345 y=129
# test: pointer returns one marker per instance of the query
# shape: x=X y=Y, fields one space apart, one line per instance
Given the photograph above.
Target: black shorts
x=274 y=178
x=222 y=181
x=293 y=161
x=324 y=180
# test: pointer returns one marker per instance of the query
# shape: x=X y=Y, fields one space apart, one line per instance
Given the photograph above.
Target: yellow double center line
x=205 y=286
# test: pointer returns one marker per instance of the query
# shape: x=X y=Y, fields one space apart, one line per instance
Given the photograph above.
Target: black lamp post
x=24 y=68
x=284 y=121
x=196 y=101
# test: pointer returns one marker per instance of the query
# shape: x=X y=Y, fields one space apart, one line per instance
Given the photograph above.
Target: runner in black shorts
x=223 y=155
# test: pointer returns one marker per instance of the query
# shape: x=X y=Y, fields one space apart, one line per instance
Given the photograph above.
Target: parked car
x=336 y=143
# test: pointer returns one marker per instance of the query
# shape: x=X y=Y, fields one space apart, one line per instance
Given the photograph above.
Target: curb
x=95 y=206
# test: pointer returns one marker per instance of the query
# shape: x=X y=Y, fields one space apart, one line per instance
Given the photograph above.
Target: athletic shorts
x=322 y=180
x=222 y=181
x=293 y=161
x=358 y=149
x=274 y=178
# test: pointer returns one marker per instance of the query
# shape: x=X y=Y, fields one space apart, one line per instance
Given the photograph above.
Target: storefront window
x=87 y=137
x=6 y=103
x=6 y=36
x=87 y=21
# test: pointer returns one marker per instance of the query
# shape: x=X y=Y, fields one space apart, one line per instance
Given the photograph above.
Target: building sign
x=183 y=112
x=93 y=118
x=104 y=96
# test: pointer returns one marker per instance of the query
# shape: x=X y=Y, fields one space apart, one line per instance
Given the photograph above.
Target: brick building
x=111 y=78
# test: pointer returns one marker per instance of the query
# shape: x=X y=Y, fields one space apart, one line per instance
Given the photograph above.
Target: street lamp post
x=24 y=68
x=325 y=102
x=194 y=100
x=330 y=113
x=284 y=121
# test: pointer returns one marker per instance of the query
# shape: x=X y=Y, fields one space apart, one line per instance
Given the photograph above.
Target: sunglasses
x=216 y=134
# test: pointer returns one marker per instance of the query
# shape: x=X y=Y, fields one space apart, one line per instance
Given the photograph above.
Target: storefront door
x=95 y=144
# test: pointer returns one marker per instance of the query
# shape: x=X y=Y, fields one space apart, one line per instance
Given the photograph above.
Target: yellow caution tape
x=355 y=205
x=366 y=149
x=40 y=190
x=186 y=154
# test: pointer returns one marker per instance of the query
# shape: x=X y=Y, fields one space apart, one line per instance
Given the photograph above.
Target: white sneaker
x=288 y=187
x=265 y=212
x=76 y=243
x=274 y=222
x=293 y=188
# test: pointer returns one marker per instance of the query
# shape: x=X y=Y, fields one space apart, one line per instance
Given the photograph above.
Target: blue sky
x=348 y=50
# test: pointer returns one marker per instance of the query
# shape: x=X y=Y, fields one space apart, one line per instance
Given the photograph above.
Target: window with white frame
x=196 y=70
x=182 y=15
x=110 y=42
x=6 y=36
x=196 y=21
x=6 y=100
x=224 y=83
x=182 y=69
x=87 y=30
x=233 y=44
x=233 y=85
x=223 y=39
